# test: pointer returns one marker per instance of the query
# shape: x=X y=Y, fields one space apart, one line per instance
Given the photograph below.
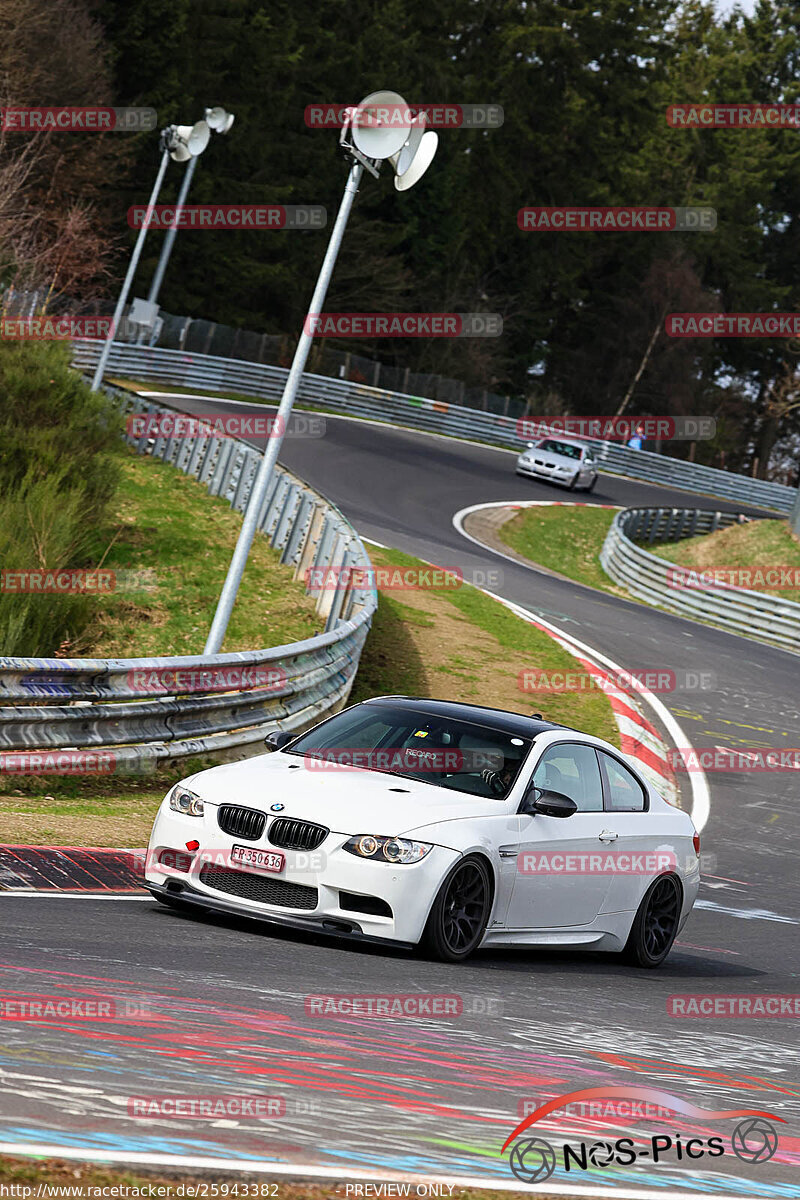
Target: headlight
x=183 y=801
x=383 y=849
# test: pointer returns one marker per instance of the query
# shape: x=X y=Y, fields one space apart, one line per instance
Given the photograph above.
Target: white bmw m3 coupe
x=432 y=823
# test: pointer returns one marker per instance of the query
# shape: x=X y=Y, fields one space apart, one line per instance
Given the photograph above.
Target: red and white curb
x=639 y=738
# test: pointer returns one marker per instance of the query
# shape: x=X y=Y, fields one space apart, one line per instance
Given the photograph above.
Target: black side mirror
x=548 y=804
x=277 y=738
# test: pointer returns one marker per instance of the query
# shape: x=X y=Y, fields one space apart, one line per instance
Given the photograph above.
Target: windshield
x=417 y=745
x=565 y=449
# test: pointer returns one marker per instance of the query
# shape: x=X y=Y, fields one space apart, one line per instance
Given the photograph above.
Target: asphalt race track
x=227 y=1001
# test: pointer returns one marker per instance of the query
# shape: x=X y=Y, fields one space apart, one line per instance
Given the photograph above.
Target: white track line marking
x=701 y=796
x=312 y=1171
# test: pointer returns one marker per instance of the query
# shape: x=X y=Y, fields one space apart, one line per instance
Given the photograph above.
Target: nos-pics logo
x=533 y=1159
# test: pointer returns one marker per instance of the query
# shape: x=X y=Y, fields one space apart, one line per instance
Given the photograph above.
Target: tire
x=655 y=925
x=573 y=483
x=590 y=488
x=453 y=939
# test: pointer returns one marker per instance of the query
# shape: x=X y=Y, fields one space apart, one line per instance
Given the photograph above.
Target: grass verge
x=130 y=1184
x=757 y=545
x=458 y=645
x=563 y=538
x=166 y=526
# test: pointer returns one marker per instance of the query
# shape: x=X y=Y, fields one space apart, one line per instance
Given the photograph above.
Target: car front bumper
x=408 y=890
x=203 y=901
x=534 y=472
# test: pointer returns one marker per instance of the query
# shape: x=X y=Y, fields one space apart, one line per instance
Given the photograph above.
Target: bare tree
x=56 y=210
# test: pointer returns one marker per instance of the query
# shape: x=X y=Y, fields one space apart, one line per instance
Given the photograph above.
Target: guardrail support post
x=794 y=519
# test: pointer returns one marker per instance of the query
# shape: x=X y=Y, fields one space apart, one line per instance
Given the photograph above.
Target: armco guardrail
x=142 y=710
x=647 y=576
x=207 y=373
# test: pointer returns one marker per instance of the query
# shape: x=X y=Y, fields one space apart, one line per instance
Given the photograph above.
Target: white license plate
x=251 y=859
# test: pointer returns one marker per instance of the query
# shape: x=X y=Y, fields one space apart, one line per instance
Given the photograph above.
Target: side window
x=625 y=793
x=571 y=769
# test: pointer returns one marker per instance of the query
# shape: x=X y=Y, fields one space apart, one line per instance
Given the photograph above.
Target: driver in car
x=499 y=780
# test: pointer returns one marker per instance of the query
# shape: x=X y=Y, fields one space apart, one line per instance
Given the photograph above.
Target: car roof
x=495 y=718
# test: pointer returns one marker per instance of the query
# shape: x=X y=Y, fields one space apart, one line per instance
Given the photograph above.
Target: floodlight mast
x=220 y=121
x=132 y=265
x=366 y=146
x=179 y=142
x=250 y=520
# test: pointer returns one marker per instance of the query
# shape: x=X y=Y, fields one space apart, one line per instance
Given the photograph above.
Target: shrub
x=59 y=444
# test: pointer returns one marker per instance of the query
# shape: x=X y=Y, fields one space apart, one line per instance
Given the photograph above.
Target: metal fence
x=196 y=335
x=660 y=582
x=209 y=373
x=143 y=710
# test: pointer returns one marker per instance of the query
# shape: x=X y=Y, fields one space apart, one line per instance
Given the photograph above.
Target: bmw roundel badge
x=276 y=807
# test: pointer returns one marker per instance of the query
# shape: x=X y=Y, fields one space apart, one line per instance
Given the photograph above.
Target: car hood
x=552 y=459
x=346 y=800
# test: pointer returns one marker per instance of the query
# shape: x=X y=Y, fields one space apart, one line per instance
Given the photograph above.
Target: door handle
x=608 y=836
